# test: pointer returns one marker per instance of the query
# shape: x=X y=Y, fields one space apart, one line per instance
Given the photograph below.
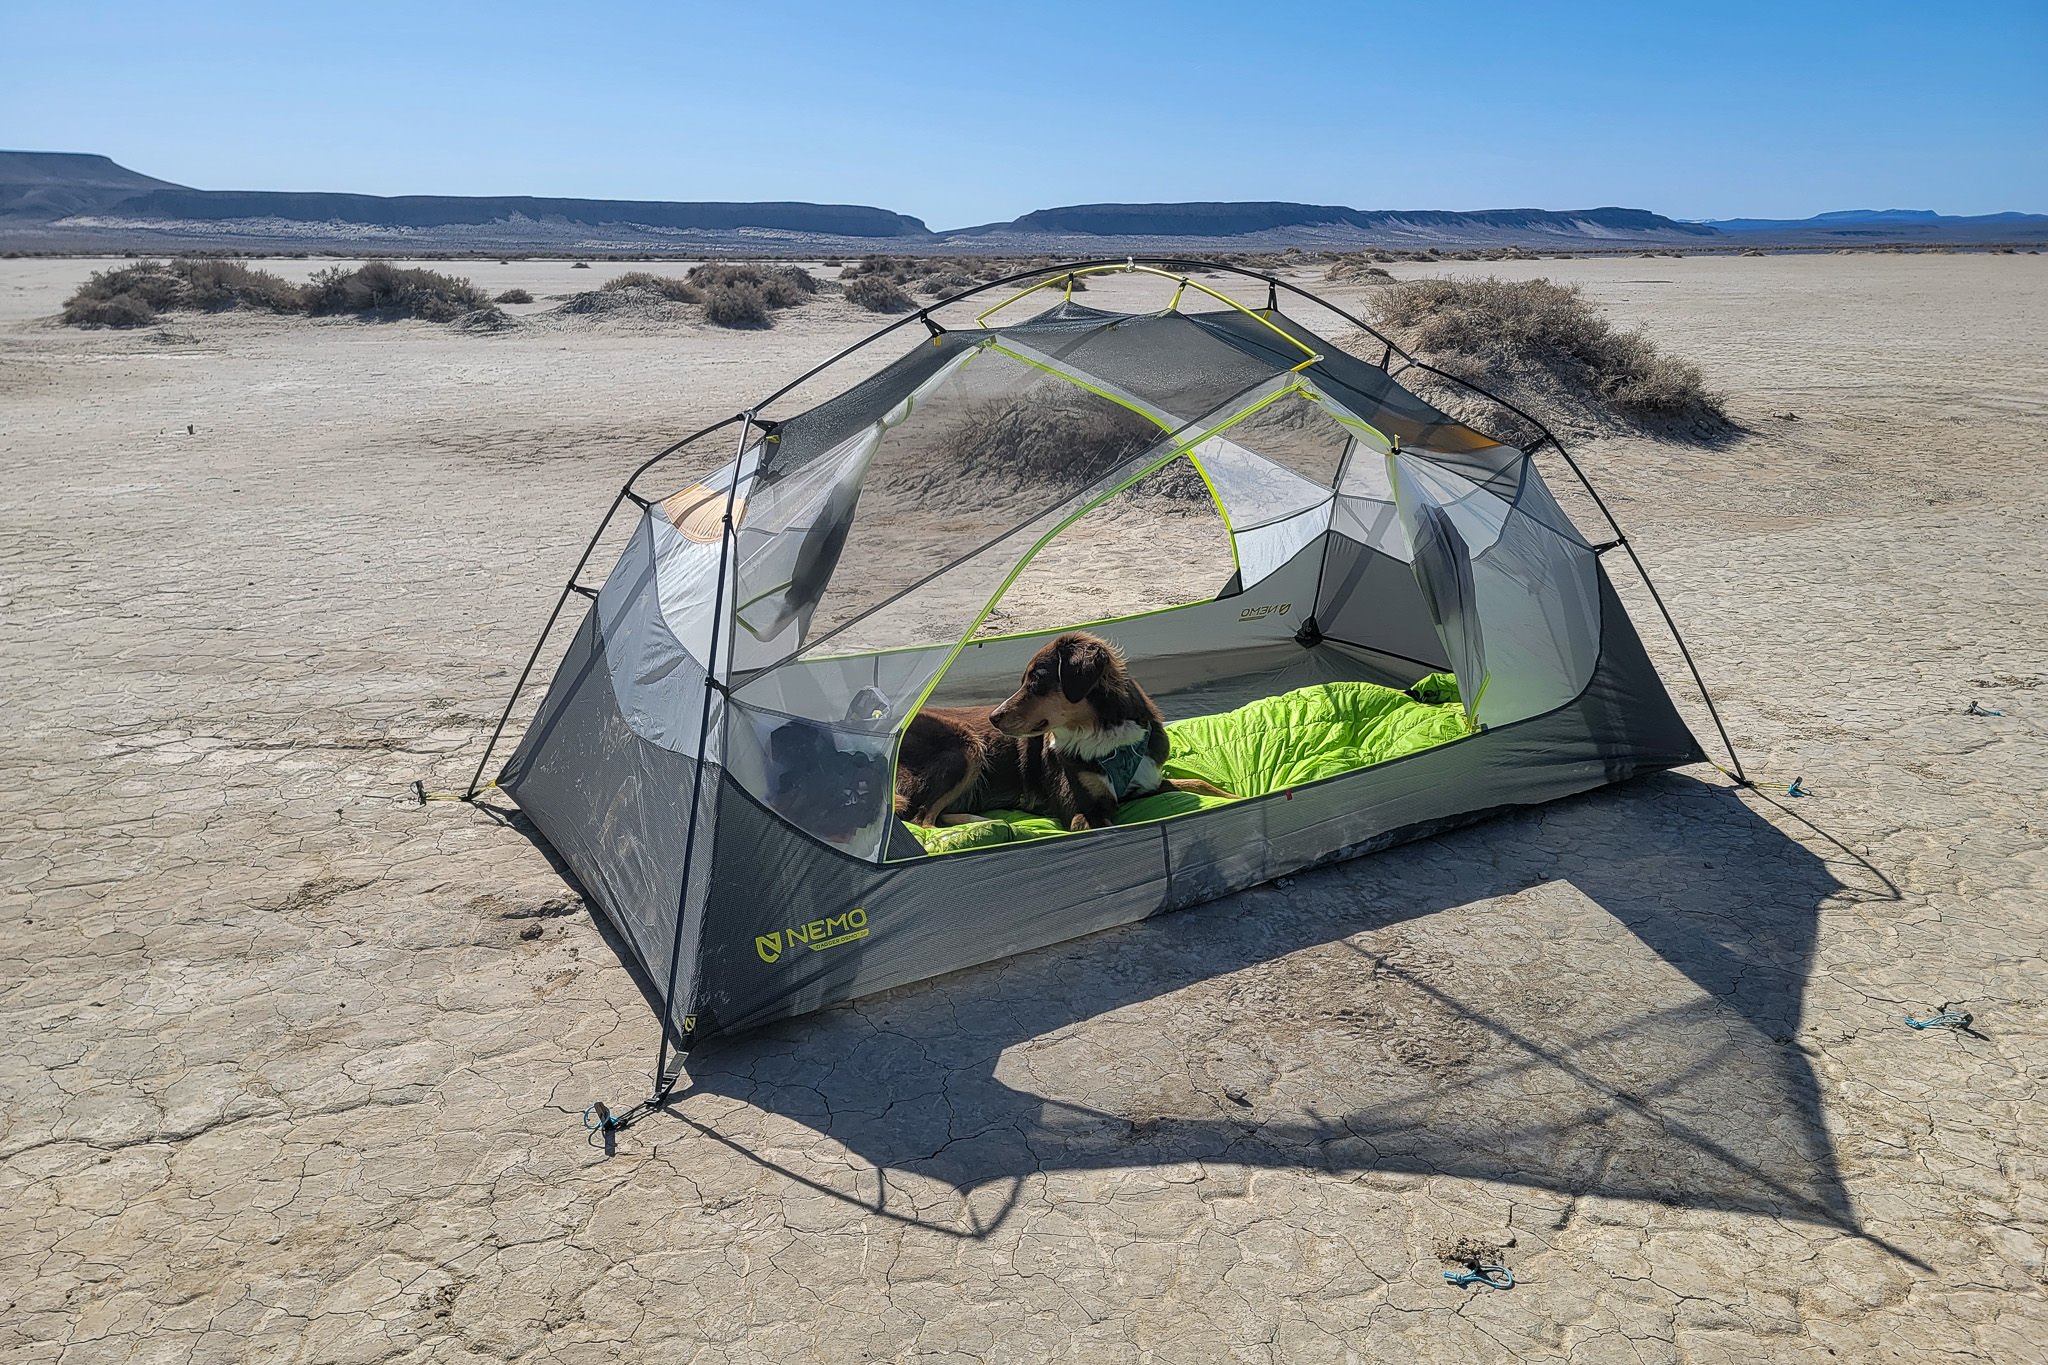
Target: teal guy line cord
x=1944 y=1017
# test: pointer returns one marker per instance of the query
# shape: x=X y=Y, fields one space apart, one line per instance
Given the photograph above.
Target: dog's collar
x=1119 y=761
x=1120 y=766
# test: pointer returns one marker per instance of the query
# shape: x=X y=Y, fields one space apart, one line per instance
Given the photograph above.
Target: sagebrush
x=380 y=289
x=134 y=295
x=878 y=293
x=1544 y=345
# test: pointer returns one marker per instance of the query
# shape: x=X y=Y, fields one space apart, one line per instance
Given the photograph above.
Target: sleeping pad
x=1265 y=746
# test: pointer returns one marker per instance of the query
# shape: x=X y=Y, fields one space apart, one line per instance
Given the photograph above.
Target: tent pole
x=663 y=1083
x=476 y=781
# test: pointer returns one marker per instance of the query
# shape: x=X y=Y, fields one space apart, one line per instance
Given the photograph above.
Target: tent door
x=1443 y=570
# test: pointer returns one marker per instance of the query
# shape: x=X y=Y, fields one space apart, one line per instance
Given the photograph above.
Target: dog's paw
x=1079 y=823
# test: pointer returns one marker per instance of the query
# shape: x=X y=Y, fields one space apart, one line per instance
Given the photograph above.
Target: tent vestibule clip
x=1798 y=787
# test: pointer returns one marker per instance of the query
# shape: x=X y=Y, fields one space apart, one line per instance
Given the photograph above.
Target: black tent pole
x=711 y=689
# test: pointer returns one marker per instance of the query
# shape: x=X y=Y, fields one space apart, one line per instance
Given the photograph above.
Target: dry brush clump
x=727 y=294
x=667 y=286
x=895 y=269
x=878 y=293
x=514 y=296
x=380 y=289
x=945 y=282
x=1358 y=269
x=219 y=285
x=1031 y=450
x=742 y=295
x=1544 y=347
x=764 y=288
x=134 y=295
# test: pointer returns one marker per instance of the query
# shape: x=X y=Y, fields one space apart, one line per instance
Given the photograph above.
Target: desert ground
x=296 y=1066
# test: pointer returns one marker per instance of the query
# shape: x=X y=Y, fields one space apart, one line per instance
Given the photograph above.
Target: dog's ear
x=1081 y=662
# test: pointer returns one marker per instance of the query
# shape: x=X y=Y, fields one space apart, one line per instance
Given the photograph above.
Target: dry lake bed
x=295 y=1067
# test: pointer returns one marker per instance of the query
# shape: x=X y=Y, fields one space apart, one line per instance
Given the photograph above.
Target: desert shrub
x=779 y=286
x=877 y=293
x=949 y=280
x=736 y=304
x=381 y=289
x=1354 y=270
x=668 y=286
x=895 y=269
x=1543 y=345
x=129 y=296
x=116 y=310
x=485 y=319
x=580 y=265
x=514 y=296
x=1031 y=449
x=219 y=286
x=620 y=303
x=133 y=294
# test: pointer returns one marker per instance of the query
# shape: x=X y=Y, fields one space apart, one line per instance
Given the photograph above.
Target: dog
x=1078 y=737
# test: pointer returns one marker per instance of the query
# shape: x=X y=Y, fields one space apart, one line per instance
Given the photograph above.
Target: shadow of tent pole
x=879 y=1208
x=1816 y=1210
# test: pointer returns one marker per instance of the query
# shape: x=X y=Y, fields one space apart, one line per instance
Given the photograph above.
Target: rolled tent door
x=1442 y=561
x=1512 y=585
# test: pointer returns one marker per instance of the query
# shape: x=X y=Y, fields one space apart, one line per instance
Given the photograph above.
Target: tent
x=1282 y=539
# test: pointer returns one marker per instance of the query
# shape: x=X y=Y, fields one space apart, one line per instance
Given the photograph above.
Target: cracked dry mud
x=294 y=1066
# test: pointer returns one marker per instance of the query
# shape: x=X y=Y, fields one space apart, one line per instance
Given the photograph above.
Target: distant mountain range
x=58 y=184
x=73 y=201
x=1890 y=224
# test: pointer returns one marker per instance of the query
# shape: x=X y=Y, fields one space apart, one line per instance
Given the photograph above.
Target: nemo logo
x=1261 y=613
x=818 y=935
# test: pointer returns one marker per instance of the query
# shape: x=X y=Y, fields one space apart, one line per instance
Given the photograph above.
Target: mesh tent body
x=1241 y=506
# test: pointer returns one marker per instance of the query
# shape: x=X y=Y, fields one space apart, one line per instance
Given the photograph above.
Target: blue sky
x=964 y=112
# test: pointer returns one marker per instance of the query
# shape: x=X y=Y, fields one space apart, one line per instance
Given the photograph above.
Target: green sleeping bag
x=1267 y=746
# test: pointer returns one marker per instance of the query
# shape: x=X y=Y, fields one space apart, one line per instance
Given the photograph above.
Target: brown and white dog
x=1078 y=737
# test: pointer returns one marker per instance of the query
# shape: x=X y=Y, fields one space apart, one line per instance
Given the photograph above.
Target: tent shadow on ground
x=1629 y=1031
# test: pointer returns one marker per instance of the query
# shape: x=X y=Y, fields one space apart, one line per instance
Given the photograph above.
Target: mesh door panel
x=979 y=449
x=1157 y=544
